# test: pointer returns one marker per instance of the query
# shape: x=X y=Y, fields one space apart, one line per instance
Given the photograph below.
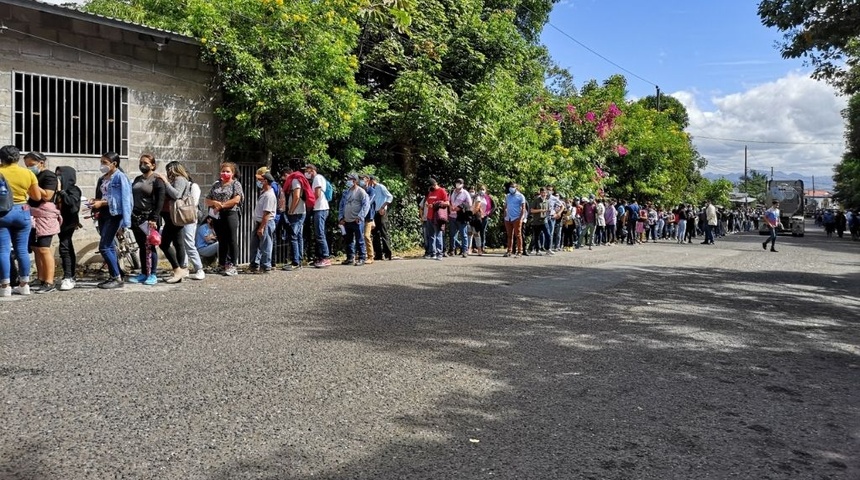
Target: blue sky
x=722 y=63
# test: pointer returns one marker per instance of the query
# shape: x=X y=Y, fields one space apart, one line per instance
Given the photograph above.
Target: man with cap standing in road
x=354 y=205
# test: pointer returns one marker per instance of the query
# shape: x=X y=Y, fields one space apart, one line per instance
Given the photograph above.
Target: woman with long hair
x=148 y=199
x=177 y=184
x=224 y=201
x=112 y=207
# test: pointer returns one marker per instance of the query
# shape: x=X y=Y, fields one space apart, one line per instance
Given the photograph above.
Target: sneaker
x=516 y=255
x=198 y=275
x=6 y=292
x=507 y=254
x=151 y=280
x=438 y=258
x=292 y=267
x=773 y=250
x=464 y=255
x=135 y=279
x=395 y=257
x=46 y=288
x=550 y=253
x=360 y=263
x=325 y=262
x=348 y=261
x=67 y=284
x=111 y=284
x=369 y=261
x=230 y=271
x=21 y=290
x=764 y=246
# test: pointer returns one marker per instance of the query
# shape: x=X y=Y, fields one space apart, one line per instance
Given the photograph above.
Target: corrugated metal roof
x=100 y=19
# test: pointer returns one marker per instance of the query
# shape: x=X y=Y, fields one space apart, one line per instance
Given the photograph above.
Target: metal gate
x=280 y=251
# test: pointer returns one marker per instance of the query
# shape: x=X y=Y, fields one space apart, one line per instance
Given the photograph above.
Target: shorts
x=40 y=242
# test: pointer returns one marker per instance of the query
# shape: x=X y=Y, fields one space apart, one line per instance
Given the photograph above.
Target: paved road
x=657 y=361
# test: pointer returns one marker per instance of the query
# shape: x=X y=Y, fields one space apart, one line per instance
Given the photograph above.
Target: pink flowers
x=590 y=116
x=621 y=150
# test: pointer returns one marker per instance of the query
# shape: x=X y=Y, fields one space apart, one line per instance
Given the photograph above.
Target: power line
x=594 y=52
x=769 y=142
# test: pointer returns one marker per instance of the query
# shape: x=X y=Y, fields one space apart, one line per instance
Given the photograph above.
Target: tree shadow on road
x=665 y=373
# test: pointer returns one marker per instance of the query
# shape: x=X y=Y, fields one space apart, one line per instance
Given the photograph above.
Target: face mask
x=458 y=186
x=512 y=190
x=259 y=184
x=483 y=192
x=144 y=168
x=350 y=184
x=34 y=169
x=226 y=176
x=309 y=175
x=362 y=183
x=104 y=169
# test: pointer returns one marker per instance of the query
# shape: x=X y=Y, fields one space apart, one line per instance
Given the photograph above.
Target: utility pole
x=746 y=194
x=658 y=97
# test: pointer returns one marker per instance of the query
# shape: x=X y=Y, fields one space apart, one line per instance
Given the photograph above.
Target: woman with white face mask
x=112 y=208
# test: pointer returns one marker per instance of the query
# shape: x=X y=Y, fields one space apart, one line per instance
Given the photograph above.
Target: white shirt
x=322 y=202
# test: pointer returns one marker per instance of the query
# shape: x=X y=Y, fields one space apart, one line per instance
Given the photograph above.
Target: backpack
x=6 y=202
x=329 y=190
x=307 y=192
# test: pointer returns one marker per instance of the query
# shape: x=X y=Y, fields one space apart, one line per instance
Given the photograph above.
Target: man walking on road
x=771 y=216
x=710 y=223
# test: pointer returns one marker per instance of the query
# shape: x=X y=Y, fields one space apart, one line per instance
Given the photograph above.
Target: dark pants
x=227 y=230
x=173 y=235
x=68 y=258
x=709 y=233
x=771 y=239
x=381 y=237
x=148 y=253
x=538 y=231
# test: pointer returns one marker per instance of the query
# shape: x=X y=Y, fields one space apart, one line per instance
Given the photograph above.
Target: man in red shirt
x=437 y=215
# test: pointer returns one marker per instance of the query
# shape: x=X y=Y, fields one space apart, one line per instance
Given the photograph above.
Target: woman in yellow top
x=16 y=223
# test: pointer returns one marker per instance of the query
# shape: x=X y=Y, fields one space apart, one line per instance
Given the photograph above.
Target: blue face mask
x=362 y=183
x=512 y=190
x=34 y=169
x=259 y=184
x=350 y=183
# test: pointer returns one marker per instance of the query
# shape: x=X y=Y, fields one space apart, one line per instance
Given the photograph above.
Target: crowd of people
x=161 y=211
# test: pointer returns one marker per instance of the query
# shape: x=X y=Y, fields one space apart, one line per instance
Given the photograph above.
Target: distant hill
x=821 y=183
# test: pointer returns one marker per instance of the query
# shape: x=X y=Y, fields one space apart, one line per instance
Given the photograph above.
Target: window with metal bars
x=69 y=117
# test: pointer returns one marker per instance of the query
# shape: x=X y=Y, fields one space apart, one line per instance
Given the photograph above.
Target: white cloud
x=794 y=108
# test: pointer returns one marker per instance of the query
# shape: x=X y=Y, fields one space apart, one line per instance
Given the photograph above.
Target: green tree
x=847 y=172
x=827 y=32
x=754 y=184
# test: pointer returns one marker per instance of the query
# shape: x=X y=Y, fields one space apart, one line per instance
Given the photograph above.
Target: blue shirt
x=514 y=206
x=381 y=196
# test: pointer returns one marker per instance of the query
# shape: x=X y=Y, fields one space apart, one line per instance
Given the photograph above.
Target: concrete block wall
x=171 y=108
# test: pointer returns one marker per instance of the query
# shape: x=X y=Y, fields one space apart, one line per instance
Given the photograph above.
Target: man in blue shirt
x=382 y=198
x=515 y=215
x=632 y=218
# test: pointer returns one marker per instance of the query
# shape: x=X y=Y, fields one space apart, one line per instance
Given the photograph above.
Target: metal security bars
x=69 y=117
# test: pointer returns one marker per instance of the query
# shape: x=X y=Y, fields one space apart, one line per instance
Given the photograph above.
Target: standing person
x=632 y=221
x=610 y=215
x=772 y=219
x=710 y=222
x=224 y=201
x=369 y=223
x=489 y=208
x=296 y=210
x=15 y=224
x=68 y=199
x=515 y=214
x=354 y=205
x=681 y=216
x=479 y=204
x=600 y=218
x=147 y=191
x=177 y=184
x=461 y=208
x=113 y=207
x=46 y=220
x=653 y=217
x=262 y=237
x=382 y=198
x=539 y=208
x=320 y=214
x=436 y=202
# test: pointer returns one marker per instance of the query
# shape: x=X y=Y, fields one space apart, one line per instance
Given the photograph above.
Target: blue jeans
x=262 y=247
x=297 y=223
x=458 y=228
x=556 y=233
x=355 y=235
x=437 y=245
x=709 y=233
x=320 y=217
x=428 y=237
x=108 y=228
x=15 y=229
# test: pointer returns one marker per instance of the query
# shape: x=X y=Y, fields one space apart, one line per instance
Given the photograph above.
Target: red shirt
x=437 y=195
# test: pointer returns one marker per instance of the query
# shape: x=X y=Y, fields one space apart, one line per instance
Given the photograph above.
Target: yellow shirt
x=19 y=180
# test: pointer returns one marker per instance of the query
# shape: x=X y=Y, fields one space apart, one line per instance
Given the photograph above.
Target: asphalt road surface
x=658 y=361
